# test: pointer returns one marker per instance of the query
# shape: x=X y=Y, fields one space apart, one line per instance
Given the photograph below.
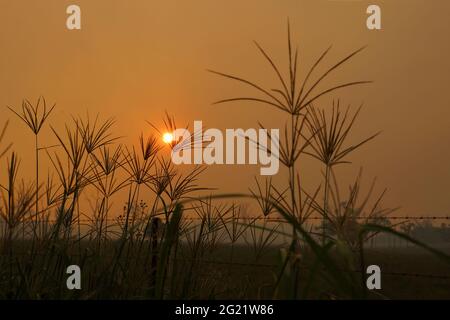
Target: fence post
x=154 y=231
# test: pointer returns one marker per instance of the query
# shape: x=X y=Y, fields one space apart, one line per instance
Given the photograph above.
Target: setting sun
x=257 y=152
x=167 y=137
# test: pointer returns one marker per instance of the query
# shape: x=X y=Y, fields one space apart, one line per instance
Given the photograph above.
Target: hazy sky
x=135 y=59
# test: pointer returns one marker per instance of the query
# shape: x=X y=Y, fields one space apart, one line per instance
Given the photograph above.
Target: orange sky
x=135 y=59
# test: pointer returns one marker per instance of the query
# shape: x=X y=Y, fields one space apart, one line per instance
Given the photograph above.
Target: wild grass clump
x=320 y=133
x=174 y=238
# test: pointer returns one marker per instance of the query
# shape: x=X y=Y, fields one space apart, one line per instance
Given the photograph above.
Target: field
x=233 y=273
x=121 y=221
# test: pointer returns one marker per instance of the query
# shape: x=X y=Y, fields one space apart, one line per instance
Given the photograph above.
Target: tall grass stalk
x=35 y=116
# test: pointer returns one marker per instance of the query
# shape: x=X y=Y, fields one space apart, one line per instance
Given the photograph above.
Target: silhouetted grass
x=174 y=238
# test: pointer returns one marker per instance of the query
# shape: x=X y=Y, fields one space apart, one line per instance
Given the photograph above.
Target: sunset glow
x=167 y=137
x=225 y=159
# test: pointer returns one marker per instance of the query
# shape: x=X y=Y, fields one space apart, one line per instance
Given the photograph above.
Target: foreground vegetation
x=173 y=241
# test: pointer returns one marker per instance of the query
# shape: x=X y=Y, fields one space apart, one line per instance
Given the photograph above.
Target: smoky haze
x=133 y=60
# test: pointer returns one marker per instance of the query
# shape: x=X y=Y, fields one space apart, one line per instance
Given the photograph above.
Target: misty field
x=141 y=227
x=408 y=273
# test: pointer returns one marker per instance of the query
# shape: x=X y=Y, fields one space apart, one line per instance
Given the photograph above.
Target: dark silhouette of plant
x=293 y=98
x=35 y=116
x=2 y=135
x=328 y=140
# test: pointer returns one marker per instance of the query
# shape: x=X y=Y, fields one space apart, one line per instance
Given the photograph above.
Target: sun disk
x=167 y=137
